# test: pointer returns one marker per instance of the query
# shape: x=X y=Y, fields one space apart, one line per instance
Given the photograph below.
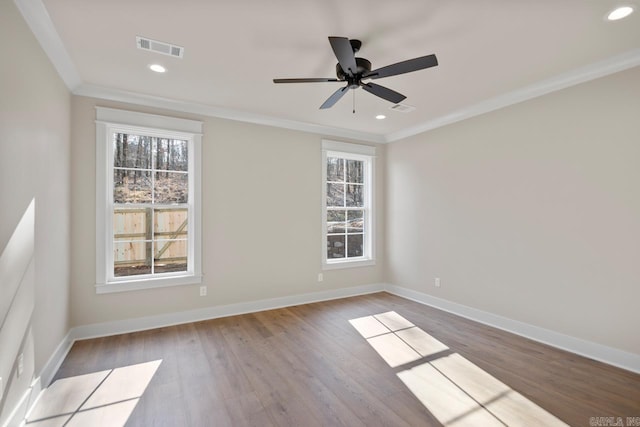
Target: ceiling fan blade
x=312 y=80
x=344 y=52
x=407 y=66
x=334 y=98
x=383 y=92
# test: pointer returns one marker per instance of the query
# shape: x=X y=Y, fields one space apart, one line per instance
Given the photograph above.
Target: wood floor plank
x=364 y=398
x=308 y=365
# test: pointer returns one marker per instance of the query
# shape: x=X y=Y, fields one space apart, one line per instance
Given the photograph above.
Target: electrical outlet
x=320 y=277
x=437 y=282
x=203 y=291
x=20 y=364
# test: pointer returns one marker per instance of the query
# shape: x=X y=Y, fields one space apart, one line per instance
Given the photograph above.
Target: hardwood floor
x=307 y=365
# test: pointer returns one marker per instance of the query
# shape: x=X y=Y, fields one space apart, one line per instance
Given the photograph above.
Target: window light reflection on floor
x=454 y=390
x=105 y=398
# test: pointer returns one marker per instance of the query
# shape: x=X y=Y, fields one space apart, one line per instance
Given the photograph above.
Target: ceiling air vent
x=159 y=47
x=402 y=108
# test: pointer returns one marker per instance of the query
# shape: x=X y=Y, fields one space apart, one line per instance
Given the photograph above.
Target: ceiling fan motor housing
x=363 y=66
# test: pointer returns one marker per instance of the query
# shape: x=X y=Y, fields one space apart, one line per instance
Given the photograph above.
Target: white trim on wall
x=108 y=122
x=605 y=354
x=170 y=319
x=602 y=353
x=98 y=92
x=214 y=312
x=593 y=71
x=36 y=16
x=591 y=350
x=152 y=322
x=366 y=154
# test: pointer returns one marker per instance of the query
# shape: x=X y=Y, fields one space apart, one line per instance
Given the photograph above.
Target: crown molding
x=94 y=91
x=590 y=72
x=39 y=21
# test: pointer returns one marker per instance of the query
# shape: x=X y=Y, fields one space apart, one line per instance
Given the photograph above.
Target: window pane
x=171 y=154
x=355 y=171
x=336 y=227
x=335 y=215
x=354 y=245
x=335 y=169
x=335 y=194
x=170 y=223
x=131 y=224
x=131 y=151
x=346 y=204
x=170 y=255
x=171 y=187
x=131 y=258
x=355 y=221
x=335 y=246
x=355 y=195
x=131 y=186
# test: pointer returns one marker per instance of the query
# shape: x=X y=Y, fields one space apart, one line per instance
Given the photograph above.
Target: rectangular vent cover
x=402 y=108
x=159 y=47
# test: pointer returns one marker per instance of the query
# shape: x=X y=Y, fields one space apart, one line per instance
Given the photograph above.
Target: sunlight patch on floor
x=396 y=340
x=369 y=326
x=454 y=390
x=502 y=401
x=105 y=398
x=447 y=402
x=423 y=343
x=393 y=350
x=393 y=321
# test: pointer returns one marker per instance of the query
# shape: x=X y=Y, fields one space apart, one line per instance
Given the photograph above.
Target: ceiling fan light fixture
x=619 y=13
x=381 y=117
x=157 y=68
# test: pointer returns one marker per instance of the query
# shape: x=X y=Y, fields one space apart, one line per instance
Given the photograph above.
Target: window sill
x=135 y=285
x=348 y=264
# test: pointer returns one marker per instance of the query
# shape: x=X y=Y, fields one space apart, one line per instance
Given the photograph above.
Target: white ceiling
x=491 y=53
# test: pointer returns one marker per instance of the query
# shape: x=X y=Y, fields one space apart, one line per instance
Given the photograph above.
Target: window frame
x=108 y=122
x=365 y=153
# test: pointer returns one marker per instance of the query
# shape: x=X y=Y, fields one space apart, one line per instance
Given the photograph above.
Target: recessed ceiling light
x=381 y=117
x=619 y=13
x=157 y=68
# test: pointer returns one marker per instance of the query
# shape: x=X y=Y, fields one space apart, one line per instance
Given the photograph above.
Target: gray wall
x=261 y=220
x=531 y=212
x=34 y=166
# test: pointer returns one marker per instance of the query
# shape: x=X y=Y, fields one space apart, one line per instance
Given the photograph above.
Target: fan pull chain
x=354 y=102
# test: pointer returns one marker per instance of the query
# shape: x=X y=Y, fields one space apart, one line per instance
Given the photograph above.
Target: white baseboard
x=151 y=322
x=53 y=364
x=609 y=355
x=49 y=370
x=599 y=352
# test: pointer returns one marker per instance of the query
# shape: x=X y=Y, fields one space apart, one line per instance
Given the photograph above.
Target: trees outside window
x=347 y=204
x=147 y=200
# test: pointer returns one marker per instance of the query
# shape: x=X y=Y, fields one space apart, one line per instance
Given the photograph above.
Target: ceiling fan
x=354 y=70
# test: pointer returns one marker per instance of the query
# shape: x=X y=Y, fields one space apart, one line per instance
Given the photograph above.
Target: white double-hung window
x=147 y=201
x=347 y=204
